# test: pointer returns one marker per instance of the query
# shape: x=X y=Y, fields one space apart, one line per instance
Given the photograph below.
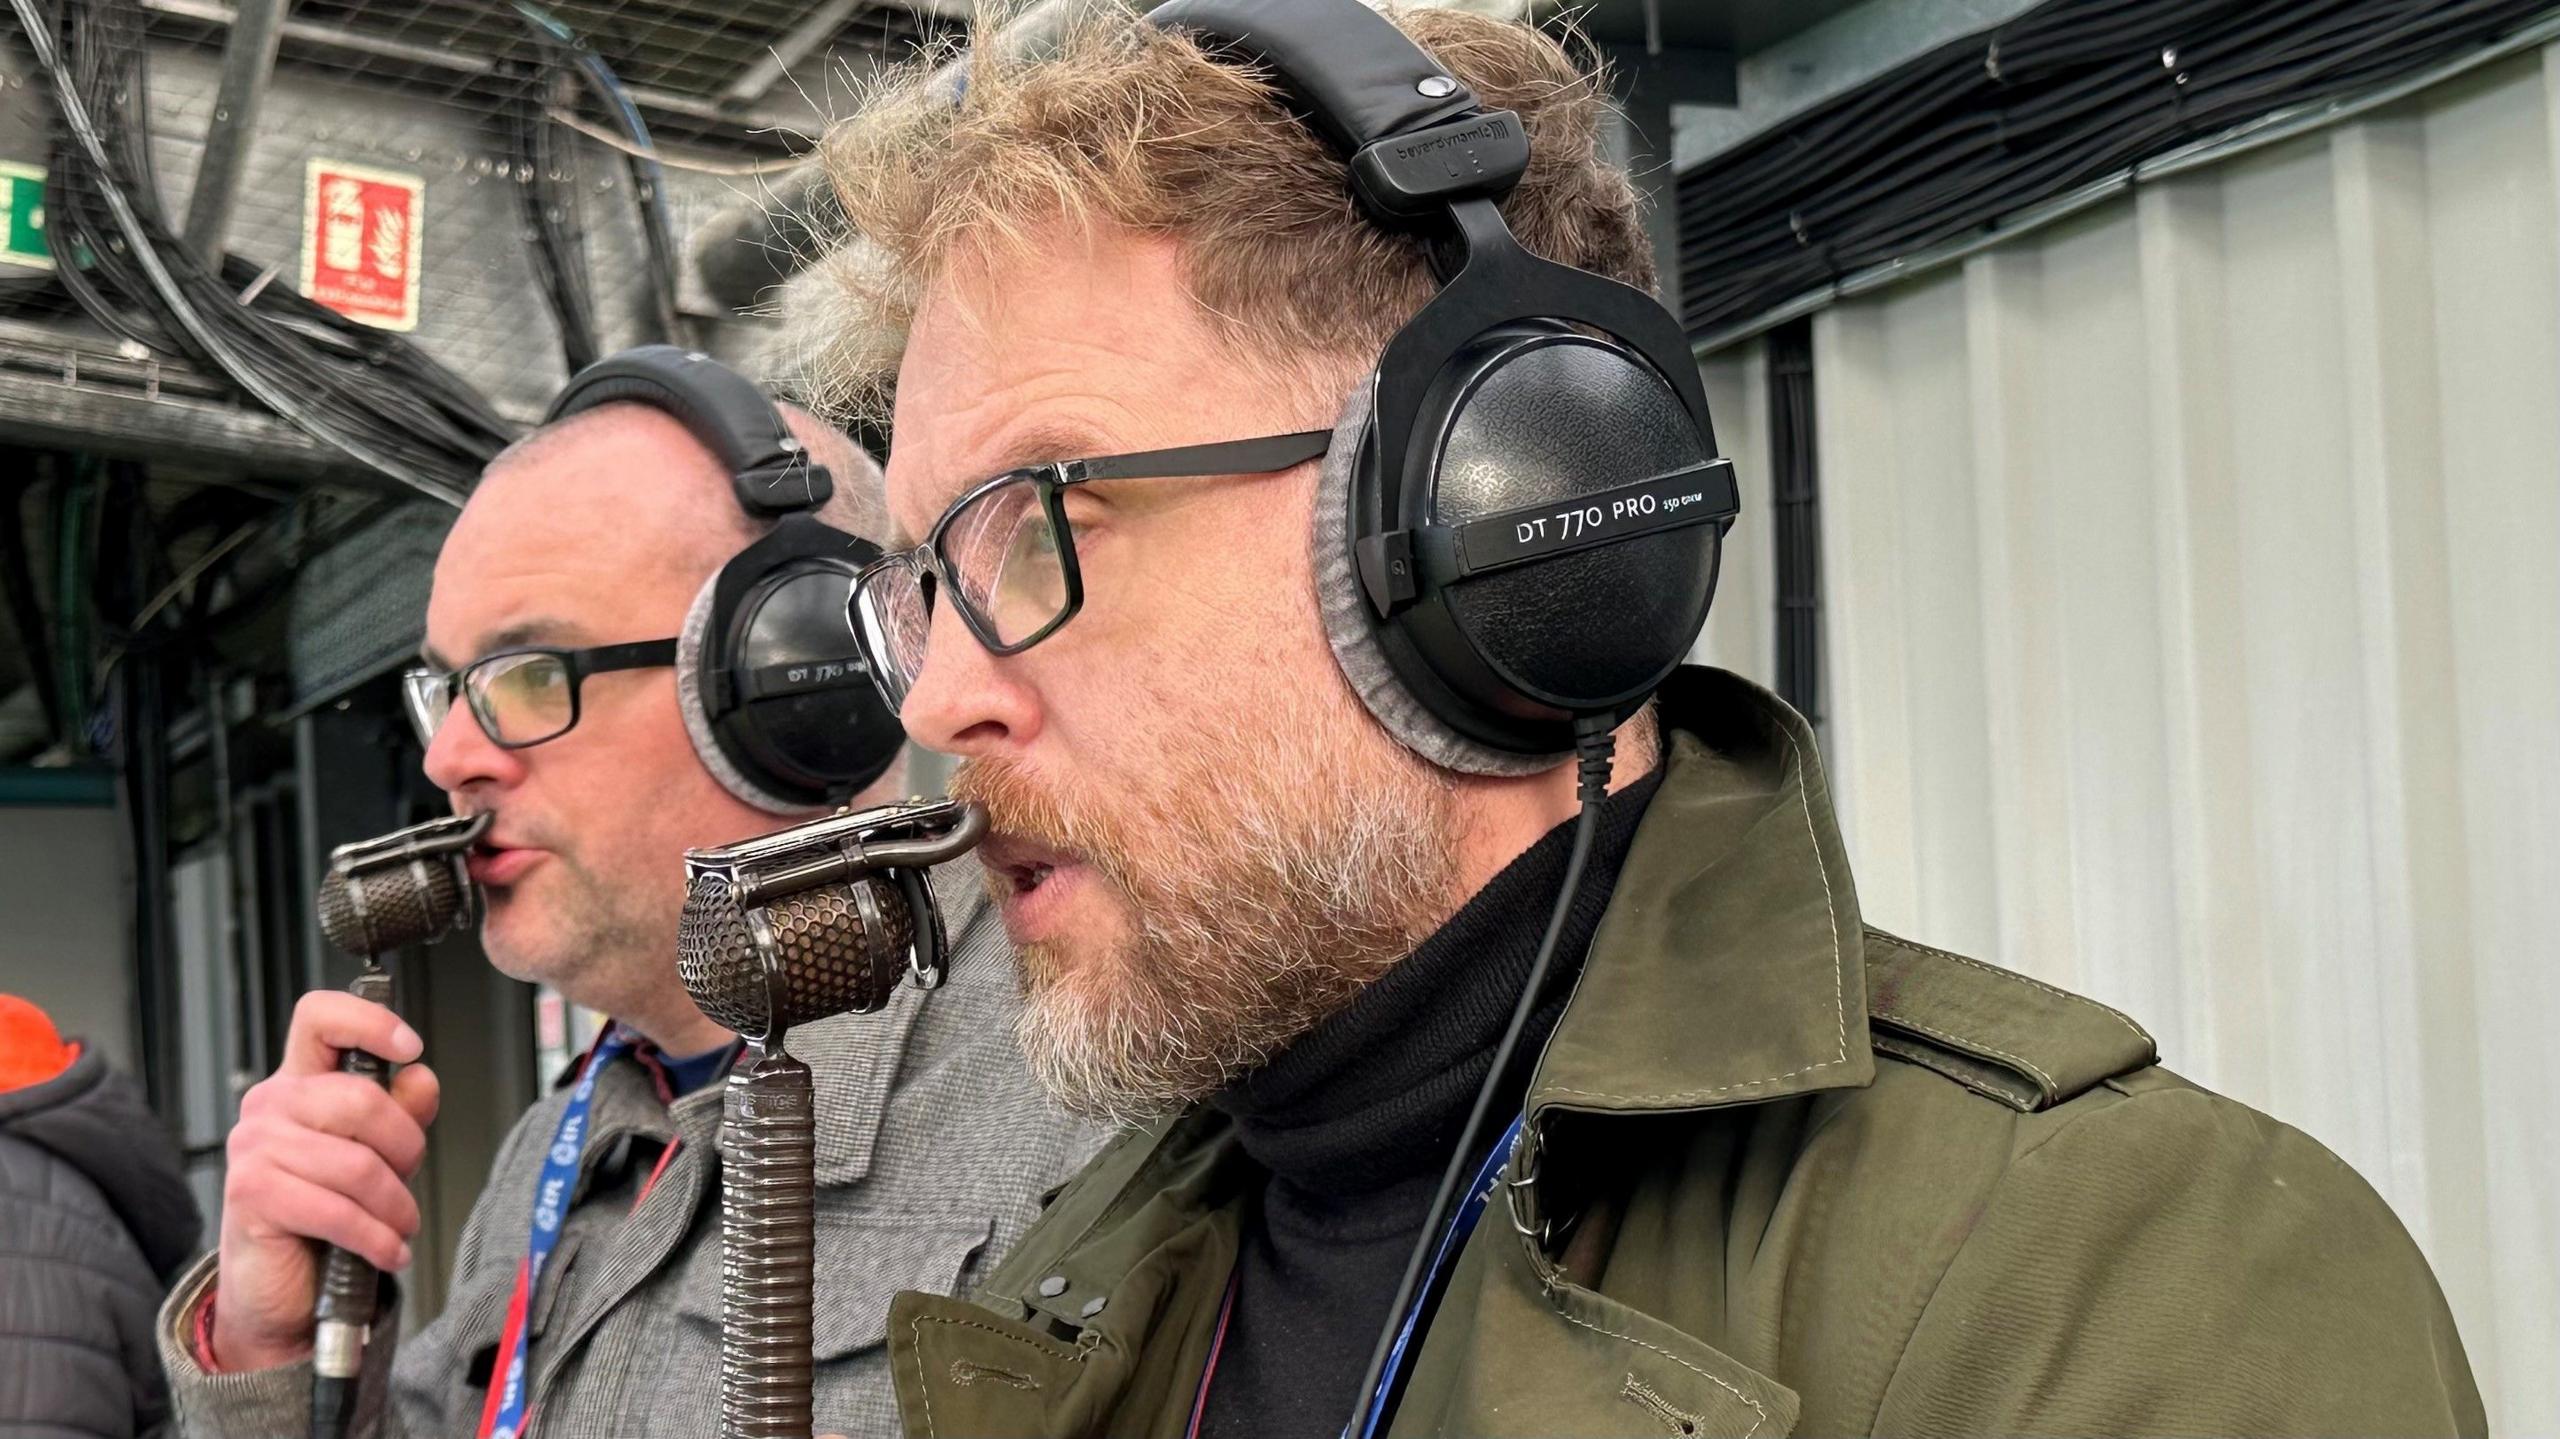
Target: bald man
x=933 y=1142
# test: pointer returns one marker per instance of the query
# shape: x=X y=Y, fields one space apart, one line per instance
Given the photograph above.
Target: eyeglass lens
x=425 y=693
x=1002 y=553
x=892 y=618
x=518 y=699
x=521 y=698
x=1006 y=560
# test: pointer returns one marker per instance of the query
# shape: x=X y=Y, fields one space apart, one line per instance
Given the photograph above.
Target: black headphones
x=1522 y=512
x=772 y=685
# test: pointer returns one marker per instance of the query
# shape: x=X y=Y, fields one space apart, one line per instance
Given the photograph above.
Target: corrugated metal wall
x=2192 y=586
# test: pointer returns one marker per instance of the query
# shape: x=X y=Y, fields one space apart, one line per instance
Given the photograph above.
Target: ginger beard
x=1265 y=878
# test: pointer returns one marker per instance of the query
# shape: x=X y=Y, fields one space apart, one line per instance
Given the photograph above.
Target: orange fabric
x=31 y=1050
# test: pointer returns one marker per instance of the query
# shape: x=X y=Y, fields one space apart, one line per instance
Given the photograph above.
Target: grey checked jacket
x=934 y=1146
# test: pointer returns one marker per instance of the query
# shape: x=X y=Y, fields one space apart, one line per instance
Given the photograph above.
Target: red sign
x=360 y=231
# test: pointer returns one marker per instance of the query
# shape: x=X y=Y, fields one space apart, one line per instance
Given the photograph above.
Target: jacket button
x=1053 y=1286
x=1093 y=1306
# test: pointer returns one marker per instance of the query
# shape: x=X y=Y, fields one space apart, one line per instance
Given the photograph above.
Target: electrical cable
x=551 y=209
x=738 y=169
x=371 y=395
x=650 y=180
x=648 y=177
x=1594 y=745
x=215 y=555
x=2059 y=97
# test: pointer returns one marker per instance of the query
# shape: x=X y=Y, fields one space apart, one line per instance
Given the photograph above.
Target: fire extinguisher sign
x=360 y=242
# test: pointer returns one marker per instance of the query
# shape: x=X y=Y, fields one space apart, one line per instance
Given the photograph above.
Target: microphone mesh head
x=716 y=958
x=402 y=904
x=831 y=957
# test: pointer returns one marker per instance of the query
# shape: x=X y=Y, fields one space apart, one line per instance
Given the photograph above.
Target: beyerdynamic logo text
x=1489 y=129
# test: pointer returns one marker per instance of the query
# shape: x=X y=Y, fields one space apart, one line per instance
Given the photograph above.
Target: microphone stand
x=816 y=920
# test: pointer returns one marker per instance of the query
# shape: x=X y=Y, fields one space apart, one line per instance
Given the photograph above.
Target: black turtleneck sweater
x=1355 y=1121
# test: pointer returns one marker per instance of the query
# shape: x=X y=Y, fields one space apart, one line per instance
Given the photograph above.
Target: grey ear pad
x=1348 y=623
x=697 y=720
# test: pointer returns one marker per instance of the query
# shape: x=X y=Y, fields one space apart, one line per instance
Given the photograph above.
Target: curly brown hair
x=1121 y=124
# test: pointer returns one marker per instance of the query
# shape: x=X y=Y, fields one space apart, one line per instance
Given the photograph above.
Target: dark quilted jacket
x=94 y=1220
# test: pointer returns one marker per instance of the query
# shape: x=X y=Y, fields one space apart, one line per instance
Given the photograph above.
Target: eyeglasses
x=1006 y=554
x=521 y=696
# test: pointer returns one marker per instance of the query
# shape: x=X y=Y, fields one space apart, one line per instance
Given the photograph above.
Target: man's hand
x=317 y=1155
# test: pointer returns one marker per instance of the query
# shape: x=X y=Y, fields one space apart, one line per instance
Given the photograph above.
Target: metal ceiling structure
x=235 y=102
x=752 y=70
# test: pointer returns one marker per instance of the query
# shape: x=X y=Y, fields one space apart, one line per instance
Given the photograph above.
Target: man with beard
x=1777 y=1171
x=566 y=599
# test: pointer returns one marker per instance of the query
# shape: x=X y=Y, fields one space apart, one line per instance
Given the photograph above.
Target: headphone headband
x=769 y=678
x=1522 y=531
x=1415 y=137
x=770 y=471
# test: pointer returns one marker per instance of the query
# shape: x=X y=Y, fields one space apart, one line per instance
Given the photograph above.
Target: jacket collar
x=1728 y=969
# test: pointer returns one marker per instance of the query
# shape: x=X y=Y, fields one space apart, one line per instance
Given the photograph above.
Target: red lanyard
x=505 y=1415
x=1217 y=1346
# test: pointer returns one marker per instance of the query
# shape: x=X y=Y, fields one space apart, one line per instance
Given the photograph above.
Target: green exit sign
x=22 y=223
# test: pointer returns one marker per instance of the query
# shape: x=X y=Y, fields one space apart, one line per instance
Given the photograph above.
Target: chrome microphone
x=404 y=888
x=820 y=919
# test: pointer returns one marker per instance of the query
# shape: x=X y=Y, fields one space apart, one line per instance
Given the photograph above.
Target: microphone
x=406 y=887
x=820 y=919
x=403 y=888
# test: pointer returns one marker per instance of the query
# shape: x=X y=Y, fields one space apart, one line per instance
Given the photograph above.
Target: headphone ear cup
x=1482 y=672
x=1542 y=421
x=1351 y=627
x=698 y=656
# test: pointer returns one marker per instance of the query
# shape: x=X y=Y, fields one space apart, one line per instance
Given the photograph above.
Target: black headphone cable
x=1595 y=744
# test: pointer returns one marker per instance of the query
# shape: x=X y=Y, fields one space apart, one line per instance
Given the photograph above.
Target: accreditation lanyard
x=1373 y=1407
x=503 y=1417
x=1364 y=1425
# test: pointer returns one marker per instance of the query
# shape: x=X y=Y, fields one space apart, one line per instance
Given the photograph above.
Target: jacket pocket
x=476 y=1306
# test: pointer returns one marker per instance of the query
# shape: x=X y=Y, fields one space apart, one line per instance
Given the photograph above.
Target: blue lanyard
x=504 y=1418
x=1461 y=1224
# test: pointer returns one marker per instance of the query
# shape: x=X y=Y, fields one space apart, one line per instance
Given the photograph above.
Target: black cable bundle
x=648 y=177
x=371 y=394
x=552 y=215
x=2065 y=94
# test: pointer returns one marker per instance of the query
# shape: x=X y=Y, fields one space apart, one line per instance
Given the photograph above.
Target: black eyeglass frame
x=1259 y=455
x=576 y=663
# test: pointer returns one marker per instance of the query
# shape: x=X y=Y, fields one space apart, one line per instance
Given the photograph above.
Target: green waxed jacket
x=1793 y=1175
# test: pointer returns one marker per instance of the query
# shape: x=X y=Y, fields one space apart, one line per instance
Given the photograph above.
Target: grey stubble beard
x=1258 y=910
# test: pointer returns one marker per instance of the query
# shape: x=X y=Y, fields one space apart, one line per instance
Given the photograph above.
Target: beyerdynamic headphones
x=773 y=688
x=1522 y=512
